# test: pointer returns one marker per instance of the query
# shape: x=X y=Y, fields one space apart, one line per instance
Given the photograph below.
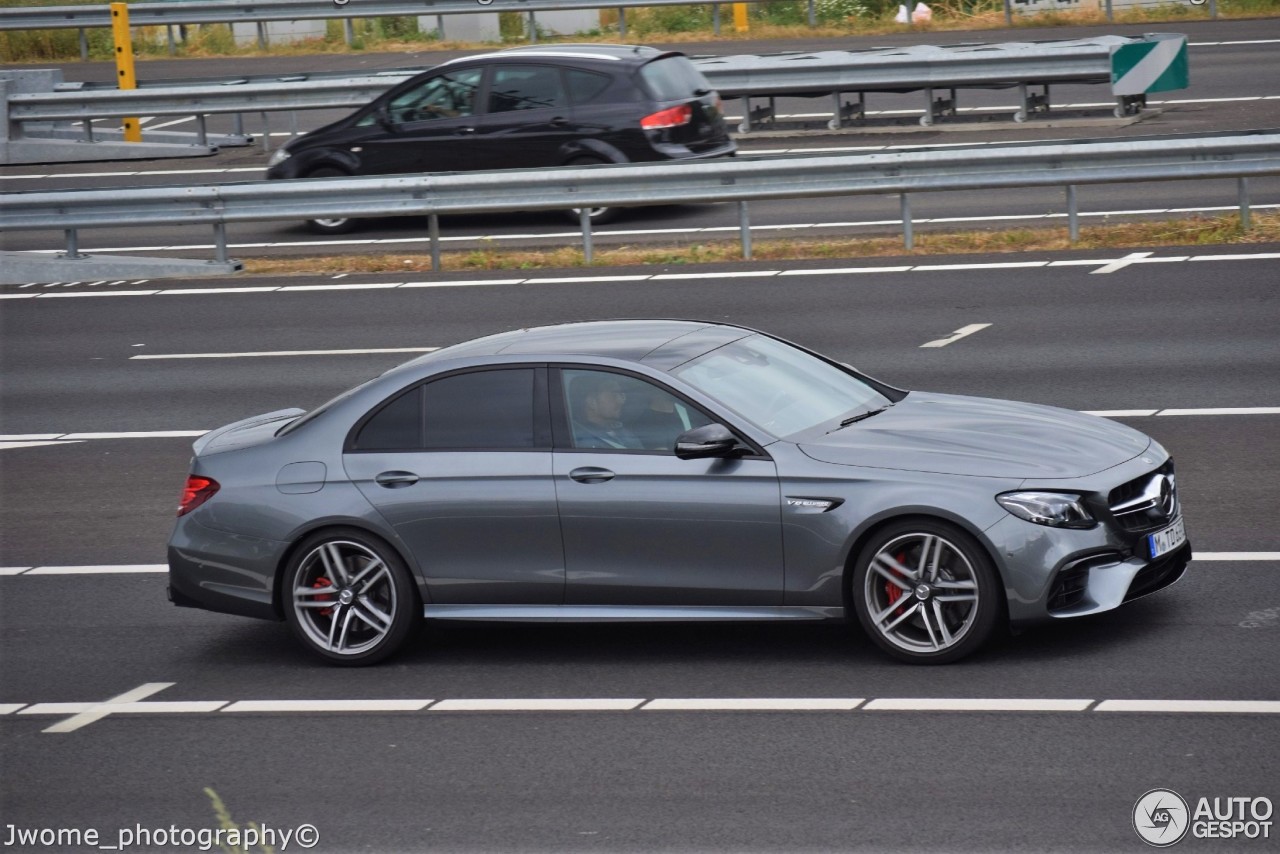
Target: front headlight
x=1055 y=509
x=278 y=156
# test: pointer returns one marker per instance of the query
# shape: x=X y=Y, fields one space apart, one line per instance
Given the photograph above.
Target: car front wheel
x=330 y=225
x=349 y=598
x=925 y=592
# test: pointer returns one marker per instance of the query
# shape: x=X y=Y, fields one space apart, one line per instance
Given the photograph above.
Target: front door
x=425 y=128
x=642 y=527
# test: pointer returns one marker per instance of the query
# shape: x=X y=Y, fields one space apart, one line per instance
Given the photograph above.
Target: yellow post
x=125 y=78
x=740 y=23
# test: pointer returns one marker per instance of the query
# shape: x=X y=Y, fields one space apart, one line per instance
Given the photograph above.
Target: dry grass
x=1195 y=231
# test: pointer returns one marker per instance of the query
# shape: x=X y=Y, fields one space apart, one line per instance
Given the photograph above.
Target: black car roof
x=630 y=54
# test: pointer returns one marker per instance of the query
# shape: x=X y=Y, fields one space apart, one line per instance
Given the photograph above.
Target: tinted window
x=443 y=96
x=396 y=426
x=612 y=411
x=525 y=87
x=486 y=409
x=673 y=78
x=585 y=86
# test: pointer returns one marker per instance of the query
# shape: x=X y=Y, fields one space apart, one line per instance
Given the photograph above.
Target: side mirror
x=710 y=440
x=383 y=116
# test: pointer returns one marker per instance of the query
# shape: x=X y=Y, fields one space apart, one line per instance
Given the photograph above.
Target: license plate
x=1163 y=542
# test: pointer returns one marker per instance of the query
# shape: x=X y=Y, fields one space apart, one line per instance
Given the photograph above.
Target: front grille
x=1159 y=573
x=1068 y=588
x=1145 y=503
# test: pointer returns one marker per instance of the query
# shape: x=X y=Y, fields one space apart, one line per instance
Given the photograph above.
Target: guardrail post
x=1213 y=9
x=533 y=28
x=1008 y=12
x=440 y=26
x=1243 y=189
x=168 y=36
x=237 y=124
x=1073 y=221
x=908 y=230
x=584 y=221
x=715 y=18
x=84 y=46
x=348 y=31
x=125 y=78
x=220 y=242
x=813 y=15
x=1110 y=16
x=433 y=232
x=88 y=130
x=262 y=35
x=73 y=244
x=744 y=230
x=266 y=133
x=202 y=132
x=622 y=20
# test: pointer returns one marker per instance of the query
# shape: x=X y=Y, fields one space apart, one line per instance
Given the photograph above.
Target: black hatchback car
x=519 y=109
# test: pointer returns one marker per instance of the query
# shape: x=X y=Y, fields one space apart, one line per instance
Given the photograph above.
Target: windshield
x=778 y=387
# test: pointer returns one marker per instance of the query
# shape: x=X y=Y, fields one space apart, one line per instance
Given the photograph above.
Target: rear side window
x=673 y=78
x=586 y=86
x=525 y=87
x=479 y=410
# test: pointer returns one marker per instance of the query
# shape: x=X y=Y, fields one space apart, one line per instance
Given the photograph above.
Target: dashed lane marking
x=962 y=332
x=135 y=702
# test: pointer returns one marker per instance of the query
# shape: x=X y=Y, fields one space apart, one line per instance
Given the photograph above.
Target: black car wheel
x=598 y=216
x=330 y=225
x=349 y=598
x=926 y=592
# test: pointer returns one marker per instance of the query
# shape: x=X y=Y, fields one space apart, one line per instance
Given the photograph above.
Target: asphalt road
x=1224 y=95
x=1153 y=335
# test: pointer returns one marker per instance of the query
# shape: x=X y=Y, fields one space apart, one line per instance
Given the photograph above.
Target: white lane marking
x=1121 y=413
x=1236 y=556
x=10 y=708
x=234 y=290
x=536 y=705
x=1226 y=410
x=98 y=711
x=738 y=274
x=750 y=704
x=462 y=283
x=564 y=280
x=98 y=570
x=8 y=446
x=99 y=294
x=145 y=434
x=328 y=706
x=1265 y=707
x=1244 y=41
x=373 y=351
x=1005 y=265
x=933 y=704
x=13 y=570
x=352 y=286
x=30 y=437
x=962 y=332
x=1258 y=256
x=1121 y=263
x=844 y=270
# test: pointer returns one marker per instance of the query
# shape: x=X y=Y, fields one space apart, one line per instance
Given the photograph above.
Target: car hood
x=980 y=437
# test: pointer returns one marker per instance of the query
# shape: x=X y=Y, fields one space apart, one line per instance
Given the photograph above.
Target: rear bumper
x=223 y=572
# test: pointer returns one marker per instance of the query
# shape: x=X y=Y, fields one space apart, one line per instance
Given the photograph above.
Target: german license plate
x=1163 y=542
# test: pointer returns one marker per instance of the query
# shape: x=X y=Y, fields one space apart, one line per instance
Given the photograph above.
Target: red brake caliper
x=322 y=583
x=893 y=592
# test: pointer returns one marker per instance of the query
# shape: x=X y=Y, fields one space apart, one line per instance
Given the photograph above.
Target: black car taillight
x=197 y=491
x=669 y=118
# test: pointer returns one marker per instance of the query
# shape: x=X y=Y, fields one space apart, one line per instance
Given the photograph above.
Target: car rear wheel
x=926 y=592
x=598 y=216
x=349 y=598
x=330 y=225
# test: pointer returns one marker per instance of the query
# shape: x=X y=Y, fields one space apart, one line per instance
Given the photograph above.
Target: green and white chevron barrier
x=1157 y=64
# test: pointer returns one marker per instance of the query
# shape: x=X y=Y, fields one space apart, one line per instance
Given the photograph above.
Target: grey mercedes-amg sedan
x=669 y=470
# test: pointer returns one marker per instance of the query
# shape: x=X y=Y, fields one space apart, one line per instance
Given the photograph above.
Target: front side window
x=525 y=87
x=481 y=410
x=779 y=387
x=448 y=95
x=608 y=411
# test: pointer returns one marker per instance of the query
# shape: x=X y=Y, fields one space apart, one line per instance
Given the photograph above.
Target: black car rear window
x=673 y=78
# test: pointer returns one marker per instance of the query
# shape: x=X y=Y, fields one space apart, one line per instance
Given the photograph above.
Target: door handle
x=559 y=122
x=591 y=474
x=396 y=479
x=464 y=131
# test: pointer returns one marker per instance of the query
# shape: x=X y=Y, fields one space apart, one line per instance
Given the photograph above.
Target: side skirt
x=627 y=613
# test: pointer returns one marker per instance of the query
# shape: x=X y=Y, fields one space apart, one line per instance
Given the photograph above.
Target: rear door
x=527 y=121
x=461 y=467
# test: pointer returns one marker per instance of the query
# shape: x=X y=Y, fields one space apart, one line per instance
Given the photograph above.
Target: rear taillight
x=670 y=118
x=197 y=491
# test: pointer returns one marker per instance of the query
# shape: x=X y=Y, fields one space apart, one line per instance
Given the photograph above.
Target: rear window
x=673 y=78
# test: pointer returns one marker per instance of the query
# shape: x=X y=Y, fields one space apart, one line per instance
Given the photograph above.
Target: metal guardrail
x=823 y=73
x=1227 y=155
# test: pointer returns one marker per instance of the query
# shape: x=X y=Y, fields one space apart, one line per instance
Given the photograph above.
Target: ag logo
x=1161 y=817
